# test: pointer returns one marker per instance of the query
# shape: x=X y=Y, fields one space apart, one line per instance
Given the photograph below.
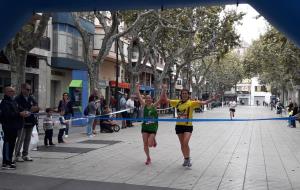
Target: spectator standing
x=66 y=105
x=137 y=106
x=279 y=107
x=63 y=123
x=48 y=124
x=11 y=118
x=95 y=98
x=295 y=112
x=27 y=103
x=91 y=110
x=123 y=107
x=290 y=106
x=130 y=106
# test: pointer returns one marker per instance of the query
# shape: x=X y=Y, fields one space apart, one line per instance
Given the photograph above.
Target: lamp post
x=185 y=77
x=134 y=62
x=117 y=72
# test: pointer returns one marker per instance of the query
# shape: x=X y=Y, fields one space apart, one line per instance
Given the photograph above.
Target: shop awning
x=120 y=84
x=76 y=83
x=146 y=88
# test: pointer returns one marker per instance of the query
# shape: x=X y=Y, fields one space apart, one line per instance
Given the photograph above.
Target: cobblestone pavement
x=226 y=155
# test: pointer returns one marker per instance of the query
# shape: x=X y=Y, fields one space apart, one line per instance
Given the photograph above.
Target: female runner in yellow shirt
x=185 y=108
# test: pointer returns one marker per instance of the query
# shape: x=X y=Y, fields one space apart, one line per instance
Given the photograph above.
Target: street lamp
x=117 y=72
x=185 y=77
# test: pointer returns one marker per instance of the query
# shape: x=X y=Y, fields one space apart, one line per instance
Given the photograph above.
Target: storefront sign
x=103 y=83
x=120 y=85
x=146 y=88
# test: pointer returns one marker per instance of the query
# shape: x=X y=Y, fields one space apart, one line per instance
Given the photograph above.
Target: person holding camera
x=11 y=118
x=27 y=103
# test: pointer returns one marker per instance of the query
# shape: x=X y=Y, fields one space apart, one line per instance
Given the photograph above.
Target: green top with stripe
x=150 y=113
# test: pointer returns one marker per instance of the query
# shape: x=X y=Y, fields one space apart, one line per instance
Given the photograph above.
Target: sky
x=251 y=27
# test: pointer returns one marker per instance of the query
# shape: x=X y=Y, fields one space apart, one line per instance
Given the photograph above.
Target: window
x=148 y=78
x=67 y=40
x=179 y=82
x=62 y=27
x=3 y=58
x=32 y=61
x=55 y=27
x=98 y=40
x=141 y=78
x=61 y=43
x=261 y=88
x=80 y=48
x=44 y=43
x=76 y=33
x=70 y=30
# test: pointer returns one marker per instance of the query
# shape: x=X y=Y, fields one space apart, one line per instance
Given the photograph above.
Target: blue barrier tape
x=187 y=120
x=100 y=117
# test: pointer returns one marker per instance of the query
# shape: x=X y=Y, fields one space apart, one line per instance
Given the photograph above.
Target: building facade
x=259 y=92
x=243 y=91
x=37 y=68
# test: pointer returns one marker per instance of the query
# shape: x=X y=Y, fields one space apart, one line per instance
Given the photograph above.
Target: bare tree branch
x=138 y=20
x=100 y=16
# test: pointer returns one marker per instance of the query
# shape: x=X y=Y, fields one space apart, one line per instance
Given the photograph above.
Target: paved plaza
x=248 y=155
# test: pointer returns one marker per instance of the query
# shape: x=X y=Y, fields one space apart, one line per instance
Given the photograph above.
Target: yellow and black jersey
x=185 y=110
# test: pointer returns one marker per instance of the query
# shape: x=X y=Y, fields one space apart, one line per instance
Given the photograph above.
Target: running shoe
x=148 y=161
x=187 y=163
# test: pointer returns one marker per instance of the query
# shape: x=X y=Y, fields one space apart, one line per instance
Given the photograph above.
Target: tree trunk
x=174 y=85
x=18 y=65
x=156 y=84
x=198 y=93
x=92 y=70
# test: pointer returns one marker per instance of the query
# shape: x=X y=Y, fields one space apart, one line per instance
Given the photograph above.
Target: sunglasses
x=28 y=89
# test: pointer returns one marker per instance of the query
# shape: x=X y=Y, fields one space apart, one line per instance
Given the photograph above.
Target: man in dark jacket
x=11 y=118
x=26 y=103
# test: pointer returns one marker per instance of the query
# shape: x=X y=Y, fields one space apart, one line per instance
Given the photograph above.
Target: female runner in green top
x=149 y=128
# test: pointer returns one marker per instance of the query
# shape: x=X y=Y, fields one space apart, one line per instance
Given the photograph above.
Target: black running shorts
x=182 y=129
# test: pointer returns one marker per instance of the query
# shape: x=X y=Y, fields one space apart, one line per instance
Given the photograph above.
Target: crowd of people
x=17 y=119
x=18 y=116
x=292 y=110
